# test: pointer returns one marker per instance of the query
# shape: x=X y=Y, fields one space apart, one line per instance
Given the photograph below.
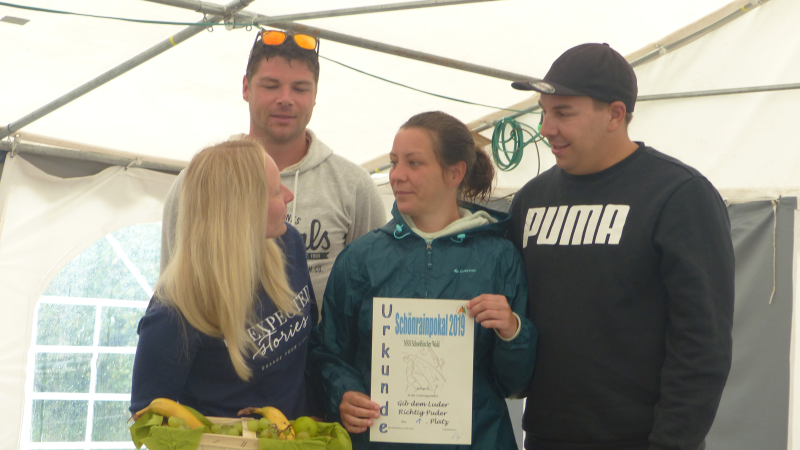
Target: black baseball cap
x=594 y=70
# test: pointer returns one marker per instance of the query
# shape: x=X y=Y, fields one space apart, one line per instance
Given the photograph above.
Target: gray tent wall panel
x=60 y=167
x=754 y=411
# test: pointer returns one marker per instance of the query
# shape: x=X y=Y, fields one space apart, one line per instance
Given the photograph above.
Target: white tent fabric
x=190 y=96
x=46 y=221
x=794 y=387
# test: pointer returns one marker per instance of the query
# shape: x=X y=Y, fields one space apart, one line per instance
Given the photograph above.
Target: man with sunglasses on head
x=335 y=201
x=630 y=271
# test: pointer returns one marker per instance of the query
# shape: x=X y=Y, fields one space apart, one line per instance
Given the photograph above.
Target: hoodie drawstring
x=459 y=238
x=296 y=194
x=399 y=228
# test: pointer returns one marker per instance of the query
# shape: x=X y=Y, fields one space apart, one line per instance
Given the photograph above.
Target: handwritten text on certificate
x=422 y=371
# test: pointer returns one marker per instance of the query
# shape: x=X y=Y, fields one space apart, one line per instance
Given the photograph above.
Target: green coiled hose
x=510 y=131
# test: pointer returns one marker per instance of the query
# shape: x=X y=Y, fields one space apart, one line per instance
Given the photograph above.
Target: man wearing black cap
x=630 y=270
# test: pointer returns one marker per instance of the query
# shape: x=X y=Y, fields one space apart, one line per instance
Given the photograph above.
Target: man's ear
x=618 y=111
x=245 y=89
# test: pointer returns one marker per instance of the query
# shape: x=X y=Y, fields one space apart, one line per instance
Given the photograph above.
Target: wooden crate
x=248 y=440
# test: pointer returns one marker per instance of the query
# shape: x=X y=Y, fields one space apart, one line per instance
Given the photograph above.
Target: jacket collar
x=400 y=229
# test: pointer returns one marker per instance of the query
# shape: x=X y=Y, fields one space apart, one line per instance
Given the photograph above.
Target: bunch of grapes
x=227 y=430
x=176 y=422
x=263 y=428
x=303 y=427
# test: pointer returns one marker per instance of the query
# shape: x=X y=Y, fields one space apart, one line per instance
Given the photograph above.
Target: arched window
x=83 y=343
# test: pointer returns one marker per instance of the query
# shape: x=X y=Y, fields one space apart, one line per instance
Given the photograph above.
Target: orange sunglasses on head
x=304 y=41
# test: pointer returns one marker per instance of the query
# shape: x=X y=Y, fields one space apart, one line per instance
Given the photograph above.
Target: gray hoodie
x=335 y=202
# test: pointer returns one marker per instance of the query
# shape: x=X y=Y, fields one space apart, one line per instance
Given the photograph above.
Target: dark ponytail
x=453 y=142
x=478 y=185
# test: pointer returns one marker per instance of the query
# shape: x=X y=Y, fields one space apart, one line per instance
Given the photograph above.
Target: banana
x=199 y=416
x=169 y=408
x=276 y=417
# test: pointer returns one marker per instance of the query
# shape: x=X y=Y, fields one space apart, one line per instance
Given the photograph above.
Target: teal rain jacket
x=395 y=262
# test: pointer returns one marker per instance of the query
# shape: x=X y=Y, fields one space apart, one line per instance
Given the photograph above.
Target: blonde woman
x=231 y=313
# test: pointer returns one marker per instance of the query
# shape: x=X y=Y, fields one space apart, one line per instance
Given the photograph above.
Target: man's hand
x=492 y=311
x=356 y=410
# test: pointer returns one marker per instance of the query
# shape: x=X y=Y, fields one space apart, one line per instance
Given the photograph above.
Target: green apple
x=305 y=424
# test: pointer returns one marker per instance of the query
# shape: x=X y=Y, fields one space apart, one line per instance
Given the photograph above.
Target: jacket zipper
x=430 y=260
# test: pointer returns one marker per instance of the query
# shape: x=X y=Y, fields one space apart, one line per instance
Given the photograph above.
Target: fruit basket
x=149 y=431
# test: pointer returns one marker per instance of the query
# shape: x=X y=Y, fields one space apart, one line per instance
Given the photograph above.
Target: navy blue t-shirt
x=196 y=370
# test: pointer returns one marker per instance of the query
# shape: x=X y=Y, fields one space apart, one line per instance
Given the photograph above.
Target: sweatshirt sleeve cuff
x=519 y=327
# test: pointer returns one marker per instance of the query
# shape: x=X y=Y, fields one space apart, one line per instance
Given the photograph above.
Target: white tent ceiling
x=190 y=96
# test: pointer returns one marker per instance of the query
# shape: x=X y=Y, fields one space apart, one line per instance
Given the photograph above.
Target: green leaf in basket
x=330 y=436
x=304 y=444
x=340 y=439
x=165 y=438
x=141 y=429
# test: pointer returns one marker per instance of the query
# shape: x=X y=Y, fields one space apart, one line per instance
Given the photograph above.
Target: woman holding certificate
x=438 y=246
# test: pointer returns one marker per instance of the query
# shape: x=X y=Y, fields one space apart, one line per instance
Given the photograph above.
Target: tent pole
x=709 y=93
x=369 y=9
x=693 y=94
x=194 y=5
x=247 y=17
x=282 y=23
x=405 y=53
x=117 y=71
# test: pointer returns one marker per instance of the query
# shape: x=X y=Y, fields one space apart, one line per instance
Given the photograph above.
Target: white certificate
x=422 y=351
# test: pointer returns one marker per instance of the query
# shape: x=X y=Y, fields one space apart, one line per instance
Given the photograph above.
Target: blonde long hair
x=223 y=255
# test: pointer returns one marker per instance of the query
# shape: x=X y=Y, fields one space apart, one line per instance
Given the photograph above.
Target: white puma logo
x=580 y=224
